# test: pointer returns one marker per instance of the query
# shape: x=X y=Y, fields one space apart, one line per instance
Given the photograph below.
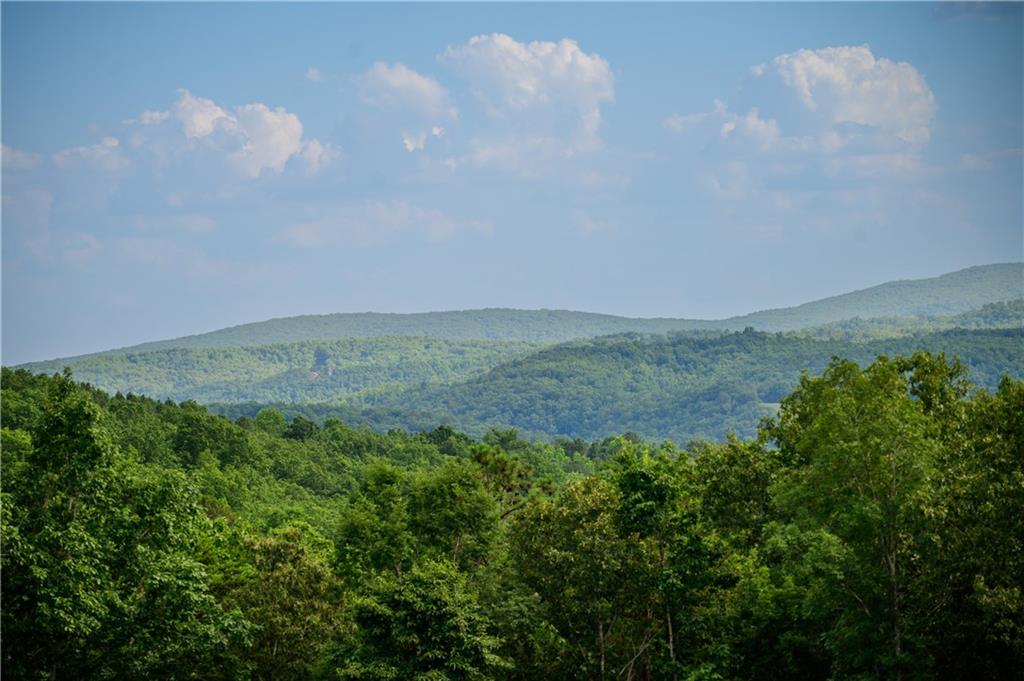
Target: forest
x=676 y=386
x=870 y=527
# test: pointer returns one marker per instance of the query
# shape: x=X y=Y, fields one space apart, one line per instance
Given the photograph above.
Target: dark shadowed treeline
x=872 y=528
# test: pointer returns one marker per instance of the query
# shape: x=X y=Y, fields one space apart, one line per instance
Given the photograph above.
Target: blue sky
x=175 y=168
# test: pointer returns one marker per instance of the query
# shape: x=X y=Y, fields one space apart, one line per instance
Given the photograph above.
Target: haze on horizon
x=170 y=169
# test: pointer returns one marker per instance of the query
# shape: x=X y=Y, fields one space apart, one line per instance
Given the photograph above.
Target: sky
x=170 y=169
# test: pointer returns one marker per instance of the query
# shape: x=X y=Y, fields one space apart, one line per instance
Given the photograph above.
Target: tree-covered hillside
x=678 y=386
x=872 y=530
x=293 y=372
x=1004 y=315
x=949 y=294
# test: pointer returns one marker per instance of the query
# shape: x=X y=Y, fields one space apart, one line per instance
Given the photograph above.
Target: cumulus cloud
x=839 y=113
x=314 y=74
x=199 y=116
x=376 y=222
x=520 y=76
x=396 y=86
x=255 y=137
x=272 y=137
x=849 y=85
x=837 y=99
x=543 y=89
x=316 y=155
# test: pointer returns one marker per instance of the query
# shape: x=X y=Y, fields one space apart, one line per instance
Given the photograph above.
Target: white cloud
x=749 y=129
x=850 y=85
x=414 y=142
x=418 y=141
x=314 y=74
x=149 y=118
x=536 y=88
x=376 y=222
x=520 y=76
x=763 y=133
x=396 y=86
x=851 y=101
x=838 y=117
x=154 y=117
x=680 y=123
x=14 y=159
x=105 y=156
x=272 y=137
x=254 y=136
x=317 y=155
x=199 y=116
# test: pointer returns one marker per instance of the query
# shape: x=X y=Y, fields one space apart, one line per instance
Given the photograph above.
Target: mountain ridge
x=949 y=293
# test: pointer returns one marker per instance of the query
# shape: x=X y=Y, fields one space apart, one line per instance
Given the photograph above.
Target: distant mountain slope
x=1005 y=315
x=678 y=386
x=948 y=294
x=291 y=372
x=945 y=295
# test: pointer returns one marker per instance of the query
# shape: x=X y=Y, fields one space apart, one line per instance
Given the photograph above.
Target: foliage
x=289 y=372
x=872 y=528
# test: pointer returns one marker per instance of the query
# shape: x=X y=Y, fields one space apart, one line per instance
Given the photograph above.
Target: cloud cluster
x=847 y=96
x=837 y=114
x=397 y=86
x=849 y=85
x=516 y=76
x=553 y=89
x=255 y=137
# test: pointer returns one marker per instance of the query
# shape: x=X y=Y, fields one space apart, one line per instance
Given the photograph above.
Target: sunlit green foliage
x=871 y=529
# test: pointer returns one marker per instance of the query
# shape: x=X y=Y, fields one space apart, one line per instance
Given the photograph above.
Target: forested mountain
x=873 y=529
x=678 y=386
x=948 y=294
x=1004 y=315
x=308 y=371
